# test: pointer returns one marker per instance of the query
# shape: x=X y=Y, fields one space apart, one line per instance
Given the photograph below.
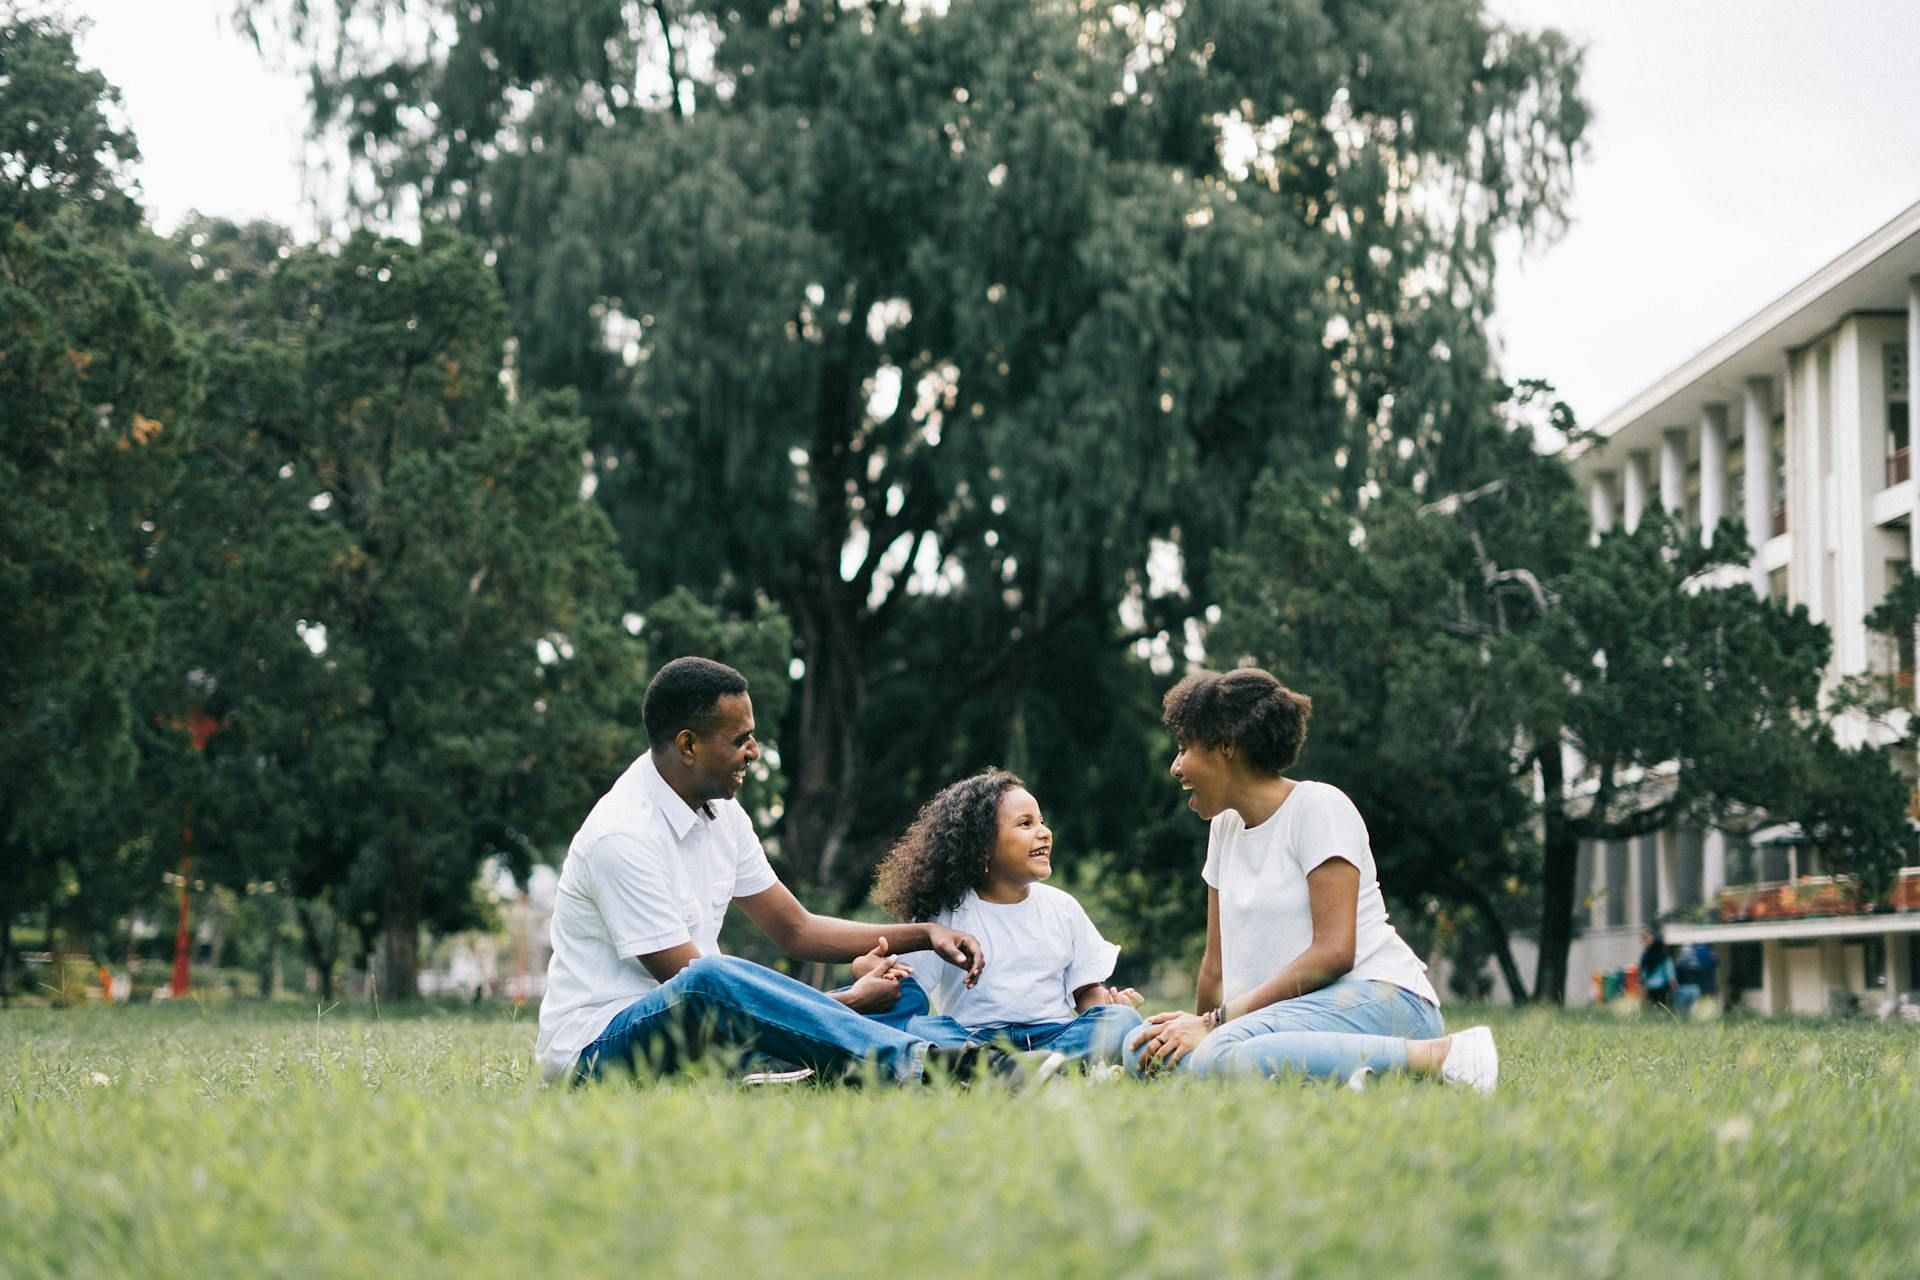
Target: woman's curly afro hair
x=1248 y=708
x=946 y=850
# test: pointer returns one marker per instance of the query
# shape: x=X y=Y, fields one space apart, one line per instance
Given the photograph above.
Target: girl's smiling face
x=1023 y=848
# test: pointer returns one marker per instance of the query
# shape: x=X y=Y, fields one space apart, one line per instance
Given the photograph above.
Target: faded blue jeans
x=740 y=1008
x=1329 y=1033
x=1096 y=1036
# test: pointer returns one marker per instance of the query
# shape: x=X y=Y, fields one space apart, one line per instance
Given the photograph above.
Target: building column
x=1806 y=481
x=1600 y=504
x=1773 y=968
x=1713 y=864
x=1756 y=422
x=1852 y=487
x=1633 y=489
x=1713 y=469
x=1913 y=428
x=1833 y=972
x=1673 y=472
x=1666 y=854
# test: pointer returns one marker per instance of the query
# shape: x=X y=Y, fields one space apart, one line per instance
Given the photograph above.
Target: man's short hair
x=685 y=694
x=1248 y=708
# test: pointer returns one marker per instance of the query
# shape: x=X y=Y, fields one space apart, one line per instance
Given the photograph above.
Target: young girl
x=975 y=859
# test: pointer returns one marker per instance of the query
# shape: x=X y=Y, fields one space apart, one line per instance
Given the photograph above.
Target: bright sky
x=1739 y=146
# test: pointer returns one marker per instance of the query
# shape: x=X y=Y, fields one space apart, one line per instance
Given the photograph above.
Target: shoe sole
x=800 y=1076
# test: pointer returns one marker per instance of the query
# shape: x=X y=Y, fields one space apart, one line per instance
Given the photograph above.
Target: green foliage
x=272 y=1142
x=62 y=155
x=384 y=582
x=928 y=325
x=95 y=385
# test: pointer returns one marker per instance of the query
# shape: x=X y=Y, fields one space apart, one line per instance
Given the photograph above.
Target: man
x=637 y=972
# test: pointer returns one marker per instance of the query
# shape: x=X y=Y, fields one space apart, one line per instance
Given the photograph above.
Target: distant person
x=1706 y=963
x=1302 y=973
x=637 y=978
x=1657 y=972
x=1686 y=979
x=977 y=858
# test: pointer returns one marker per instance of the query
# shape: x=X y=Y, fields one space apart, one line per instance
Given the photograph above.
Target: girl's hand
x=1126 y=996
x=1176 y=1036
x=880 y=960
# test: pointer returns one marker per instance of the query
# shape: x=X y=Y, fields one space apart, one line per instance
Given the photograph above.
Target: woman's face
x=1023 y=849
x=1206 y=773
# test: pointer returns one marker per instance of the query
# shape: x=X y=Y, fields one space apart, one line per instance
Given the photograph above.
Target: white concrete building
x=1799 y=422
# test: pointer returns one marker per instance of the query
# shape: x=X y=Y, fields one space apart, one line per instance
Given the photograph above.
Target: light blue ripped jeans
x=1329 y=1033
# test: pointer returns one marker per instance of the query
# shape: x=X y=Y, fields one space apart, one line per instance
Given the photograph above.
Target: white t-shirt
x=1038 y=953
x=1261 y=876
x=644 y=873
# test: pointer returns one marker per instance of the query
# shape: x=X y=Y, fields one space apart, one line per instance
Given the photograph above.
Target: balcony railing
x=1810 y=896
x=1899 y=466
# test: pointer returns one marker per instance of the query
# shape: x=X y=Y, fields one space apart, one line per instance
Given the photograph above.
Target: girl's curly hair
x=946 y=850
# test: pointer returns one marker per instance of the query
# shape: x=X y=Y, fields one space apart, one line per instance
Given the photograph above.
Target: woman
x=1302 y=971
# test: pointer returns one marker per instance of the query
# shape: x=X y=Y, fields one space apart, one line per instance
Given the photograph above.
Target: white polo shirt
x=1261 y=875
x=645 y=872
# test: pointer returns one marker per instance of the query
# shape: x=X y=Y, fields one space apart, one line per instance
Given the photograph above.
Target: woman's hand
x=1176 y=1036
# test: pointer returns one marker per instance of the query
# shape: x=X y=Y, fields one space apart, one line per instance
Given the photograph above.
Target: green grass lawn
x=265 y=1142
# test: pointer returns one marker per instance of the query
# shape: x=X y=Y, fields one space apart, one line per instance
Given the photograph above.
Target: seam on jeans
x=808 y=1038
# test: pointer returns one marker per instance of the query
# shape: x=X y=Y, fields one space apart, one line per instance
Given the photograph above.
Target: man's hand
x=1176 y=1036
x=961 y=950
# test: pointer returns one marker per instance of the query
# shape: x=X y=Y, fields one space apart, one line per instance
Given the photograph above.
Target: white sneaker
x=1472 y=1060
x=1050 y=1066
x=1360 y=1079
x=799 y=1075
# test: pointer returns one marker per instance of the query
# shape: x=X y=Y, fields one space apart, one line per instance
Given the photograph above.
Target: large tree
x=878 y=305
x=95 y=381
x=382 y=578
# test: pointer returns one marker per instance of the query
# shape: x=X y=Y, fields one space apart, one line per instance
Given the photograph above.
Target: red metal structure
x=200 y=728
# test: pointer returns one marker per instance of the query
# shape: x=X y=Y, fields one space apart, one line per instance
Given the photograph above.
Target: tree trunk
x=1561 y=856
x=1497 y=938
x=823 y=752
x=270 y=979
x=1493 y=930
x=6 y=957
x=322 y=938
x=400 y=945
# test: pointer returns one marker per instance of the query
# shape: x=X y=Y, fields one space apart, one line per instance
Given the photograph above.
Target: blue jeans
x=1329 y=1033
x=1096 y=1036
x=742 y=1008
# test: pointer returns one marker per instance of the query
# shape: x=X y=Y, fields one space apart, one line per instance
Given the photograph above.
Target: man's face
x=722 y=755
